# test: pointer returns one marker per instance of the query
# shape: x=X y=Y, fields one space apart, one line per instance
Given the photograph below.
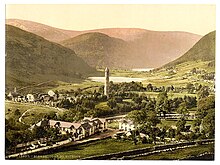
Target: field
x=74 y=86
x=94 y=149
x=160 y=77
x=179 y=154
x=169 y=123
x=112 y=146
x=171 y=95
x=103 y=106
x=35 y=112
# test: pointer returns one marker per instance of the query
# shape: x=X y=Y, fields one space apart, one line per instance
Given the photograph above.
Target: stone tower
x=106 y=90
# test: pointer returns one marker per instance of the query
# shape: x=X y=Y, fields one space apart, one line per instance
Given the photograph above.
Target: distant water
x=142 y=69
x=116 y=79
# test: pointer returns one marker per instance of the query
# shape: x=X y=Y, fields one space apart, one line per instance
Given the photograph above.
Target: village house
x=126 y=125
x=81 y=130
x=99 y=124
x=51 y=93
x=30 y=97
x=14 y=95
x=64 y=127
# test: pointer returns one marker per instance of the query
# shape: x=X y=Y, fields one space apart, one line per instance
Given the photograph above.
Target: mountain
x=151 y=49
x=47 y=32
x=203 y=50
x=58 y=35
x=32 y=59
x=98 y=49
x=143 y=48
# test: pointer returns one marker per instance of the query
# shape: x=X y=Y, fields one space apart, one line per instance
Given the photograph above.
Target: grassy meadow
x=35 y=112
x=94 y=149
x=179 y=154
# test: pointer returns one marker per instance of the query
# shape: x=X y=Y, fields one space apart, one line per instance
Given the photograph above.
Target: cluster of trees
x=147 y=124
x=125 y=87
x=197 y=71
x=142 y=110
x=154 y=134
x=178 y=105
x=205 y=121
x=204 y=127
x=209 y=76
x=189 y=88
x=86 y=106
x=83 y=103
x=17 y=133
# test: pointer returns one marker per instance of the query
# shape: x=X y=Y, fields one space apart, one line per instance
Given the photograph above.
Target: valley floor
x=110 y=146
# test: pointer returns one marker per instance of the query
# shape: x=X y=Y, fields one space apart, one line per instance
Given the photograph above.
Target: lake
x=116 y=79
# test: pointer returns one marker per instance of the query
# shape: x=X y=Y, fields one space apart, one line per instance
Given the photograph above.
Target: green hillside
x=203 y=50
x=32 y=59
x=121 y=48
x=98 y=49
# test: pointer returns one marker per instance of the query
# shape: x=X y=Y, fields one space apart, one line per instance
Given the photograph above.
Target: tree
x=179 y=136
x=190 y=87
x=13 y=138
x=196 y=124
x=144 y=140
x=203 y=92
x=204 y=105
x=137 y=100
x=154 y=133
x=152 y=118
x=171 y=133
x=88 y=104
x=150 y=87
x=162 y=104
x=39 y=132
x=137 y=116
x=162 y=134
x=181 y=125
x=192 y=136
x=17 y=112
x=51 y=115
x=150 y=106
x=208 y=124
x=112 y=103
x=53 y=133
x=190 y=102
x=65 y=103
x=193 y=71
x=182 y=109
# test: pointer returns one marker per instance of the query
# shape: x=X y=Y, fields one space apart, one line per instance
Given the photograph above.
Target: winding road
x=22 y=115
x=20 y=118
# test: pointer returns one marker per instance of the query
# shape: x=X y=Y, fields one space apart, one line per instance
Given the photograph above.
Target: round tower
x=106 y=89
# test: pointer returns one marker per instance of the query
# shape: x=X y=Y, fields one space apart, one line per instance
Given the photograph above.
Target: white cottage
x=30 y=97
x=126 y=125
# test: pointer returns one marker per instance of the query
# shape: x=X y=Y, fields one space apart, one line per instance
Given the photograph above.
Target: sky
x=198 y=19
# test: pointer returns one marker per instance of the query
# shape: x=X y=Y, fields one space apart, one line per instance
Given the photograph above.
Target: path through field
x=20 y=118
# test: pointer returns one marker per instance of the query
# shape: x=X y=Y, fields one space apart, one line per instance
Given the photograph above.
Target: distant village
x=89 y=126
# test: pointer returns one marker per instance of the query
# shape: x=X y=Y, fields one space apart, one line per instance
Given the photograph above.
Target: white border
x=2 y=70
